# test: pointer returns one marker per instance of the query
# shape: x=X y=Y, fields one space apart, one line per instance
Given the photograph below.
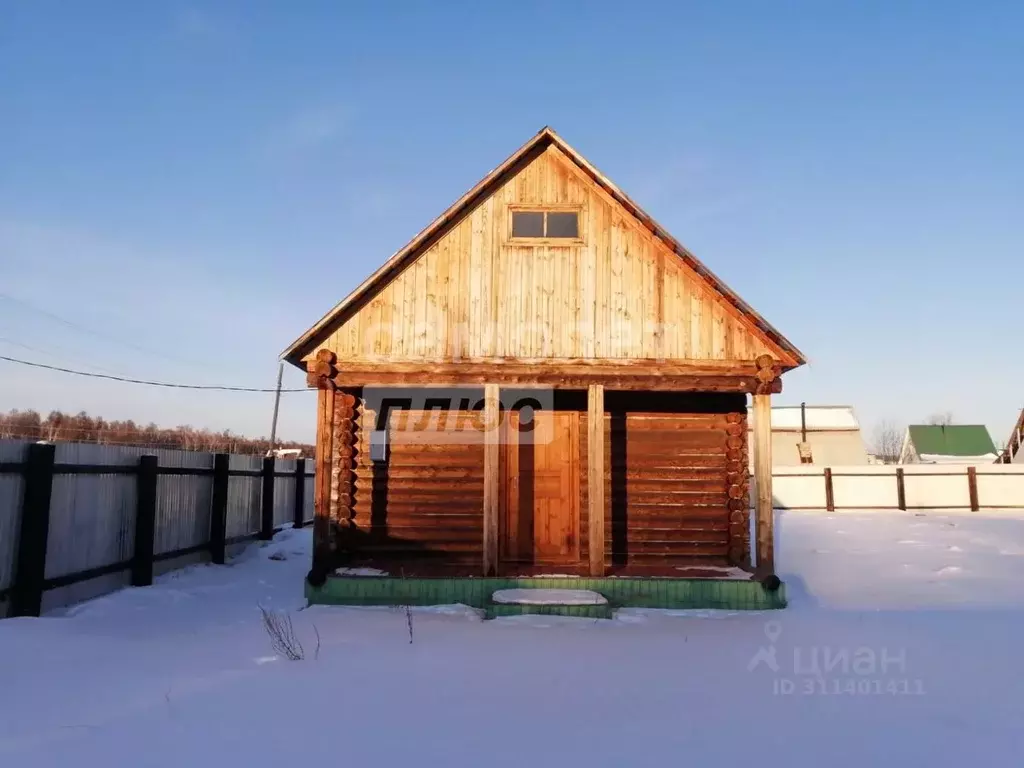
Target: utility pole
x=277 y=403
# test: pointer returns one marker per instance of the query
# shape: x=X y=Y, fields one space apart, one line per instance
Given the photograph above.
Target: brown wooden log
x=492 y=480
x=320 y=368
x=325 y=356
x=656 y=554
x=343 y=458
x=356 y=374
x=649 y=539
x=322 y=550
x=763 y=477
x=597 y=478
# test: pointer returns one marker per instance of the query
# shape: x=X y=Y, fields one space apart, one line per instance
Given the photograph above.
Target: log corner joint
x=769 y=376
x=321 y=370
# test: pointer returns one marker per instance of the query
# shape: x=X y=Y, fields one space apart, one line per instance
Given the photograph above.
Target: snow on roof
x=942 y=458
x=819 y=417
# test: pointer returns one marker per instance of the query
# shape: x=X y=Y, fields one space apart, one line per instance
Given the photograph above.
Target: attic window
x=546 y=224
x=527 y=224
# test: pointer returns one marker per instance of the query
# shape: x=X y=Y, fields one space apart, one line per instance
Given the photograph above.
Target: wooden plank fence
x=72 y=513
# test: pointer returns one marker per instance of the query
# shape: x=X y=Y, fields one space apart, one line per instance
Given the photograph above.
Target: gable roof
x=951 y=440
x=544 y=138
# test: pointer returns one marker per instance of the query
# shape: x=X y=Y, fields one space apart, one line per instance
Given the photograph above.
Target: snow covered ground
x=900 y=648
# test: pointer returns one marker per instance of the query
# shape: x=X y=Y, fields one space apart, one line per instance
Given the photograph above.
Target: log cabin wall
x=616 y=292
x=422 y=504
x=676 y=490
x=674 y=494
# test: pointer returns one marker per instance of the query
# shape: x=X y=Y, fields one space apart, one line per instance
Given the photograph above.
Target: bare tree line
x=83 y=428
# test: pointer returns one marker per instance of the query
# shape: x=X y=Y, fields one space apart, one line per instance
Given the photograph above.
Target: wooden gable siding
x=473 y=295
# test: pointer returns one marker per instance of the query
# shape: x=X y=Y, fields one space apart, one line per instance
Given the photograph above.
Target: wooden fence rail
x=39 y=541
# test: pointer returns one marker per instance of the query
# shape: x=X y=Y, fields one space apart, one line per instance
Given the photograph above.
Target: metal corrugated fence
x=94 y=503
x=10 y=501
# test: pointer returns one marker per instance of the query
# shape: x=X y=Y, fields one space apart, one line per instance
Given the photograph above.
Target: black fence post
x=30 y=571
x=299 y=513
x=145 y=521
x=267 y=500
x=901 y=489
x=830 y=501
x=219 y=508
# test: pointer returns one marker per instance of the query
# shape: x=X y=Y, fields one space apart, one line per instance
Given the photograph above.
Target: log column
x=737 y=479
x=768 y=382
x=334 y=484
x=597 y=469
x=343 y=452
x=492 y=478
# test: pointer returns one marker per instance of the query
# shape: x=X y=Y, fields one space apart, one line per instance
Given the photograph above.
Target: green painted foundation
x=724 y=594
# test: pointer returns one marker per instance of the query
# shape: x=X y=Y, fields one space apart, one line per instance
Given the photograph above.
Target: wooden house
x=542 y=381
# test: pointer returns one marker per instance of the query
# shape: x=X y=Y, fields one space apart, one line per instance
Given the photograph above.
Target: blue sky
x=189 y=186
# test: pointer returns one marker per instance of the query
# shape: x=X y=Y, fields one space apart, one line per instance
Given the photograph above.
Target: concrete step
x=582 y=603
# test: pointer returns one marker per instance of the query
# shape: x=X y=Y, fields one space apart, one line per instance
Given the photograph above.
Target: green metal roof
x=951 y=439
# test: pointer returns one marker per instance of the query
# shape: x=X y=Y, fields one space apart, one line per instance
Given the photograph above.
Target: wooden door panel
x=541 y=482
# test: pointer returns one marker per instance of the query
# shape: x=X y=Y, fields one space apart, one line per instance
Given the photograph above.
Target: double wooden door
x=540 y=518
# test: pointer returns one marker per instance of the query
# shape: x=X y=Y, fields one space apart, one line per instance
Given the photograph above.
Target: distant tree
x=888 y=442
x=943 y=419
x=83 y=428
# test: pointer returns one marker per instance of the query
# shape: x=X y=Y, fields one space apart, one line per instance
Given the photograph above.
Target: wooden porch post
x=492 y=479
x=596 y=471
x=764 y=512
x=319 y=373
x=322 y=477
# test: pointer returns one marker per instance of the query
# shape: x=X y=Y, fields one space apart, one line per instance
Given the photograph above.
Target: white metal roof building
x=823 y=435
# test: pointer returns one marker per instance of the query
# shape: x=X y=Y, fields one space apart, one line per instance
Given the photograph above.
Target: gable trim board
x=787 y=354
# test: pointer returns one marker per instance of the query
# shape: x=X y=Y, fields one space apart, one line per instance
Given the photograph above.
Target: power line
x=84 y=329
x=30 y=348
x=144 y=381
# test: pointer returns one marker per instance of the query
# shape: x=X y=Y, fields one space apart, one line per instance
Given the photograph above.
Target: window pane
x=527 y=224
x=563 y=224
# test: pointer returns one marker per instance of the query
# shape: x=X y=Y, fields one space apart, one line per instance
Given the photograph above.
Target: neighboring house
x=1012 y=453
x=599 y=425
x=947 y=444
x=822 y=435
